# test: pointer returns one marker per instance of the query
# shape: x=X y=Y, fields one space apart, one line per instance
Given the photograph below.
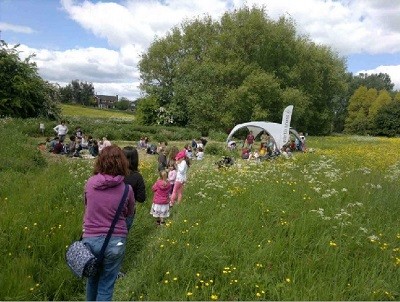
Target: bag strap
x=114 y=222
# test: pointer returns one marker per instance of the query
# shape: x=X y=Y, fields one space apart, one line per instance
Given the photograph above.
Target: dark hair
x=112 y=161
x=172 y=153
x=132 y=155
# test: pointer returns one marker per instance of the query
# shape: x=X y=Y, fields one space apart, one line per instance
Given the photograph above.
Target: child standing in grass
x=171 y=176
x=161 y=189
x=181 y=175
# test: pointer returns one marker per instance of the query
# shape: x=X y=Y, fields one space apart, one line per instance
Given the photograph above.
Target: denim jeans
x=129 y=221
x=101 y=287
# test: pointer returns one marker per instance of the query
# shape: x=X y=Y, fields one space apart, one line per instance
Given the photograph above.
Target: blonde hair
x=164 y=176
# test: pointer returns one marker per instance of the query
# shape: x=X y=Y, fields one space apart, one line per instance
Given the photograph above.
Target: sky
x=101 y=41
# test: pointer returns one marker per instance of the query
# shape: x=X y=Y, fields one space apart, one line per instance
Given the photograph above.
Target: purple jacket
x=161 y=192
x=103 y=194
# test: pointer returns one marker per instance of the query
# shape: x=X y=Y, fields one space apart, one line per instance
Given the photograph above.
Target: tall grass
x=317 y=226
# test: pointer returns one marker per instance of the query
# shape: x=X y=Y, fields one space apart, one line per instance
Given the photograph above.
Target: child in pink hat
x=181 y=176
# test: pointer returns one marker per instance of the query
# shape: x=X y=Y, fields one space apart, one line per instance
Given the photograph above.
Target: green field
x=322 y=225
x=76 y=111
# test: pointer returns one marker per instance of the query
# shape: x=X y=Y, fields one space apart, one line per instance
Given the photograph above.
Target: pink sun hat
x=180 y=155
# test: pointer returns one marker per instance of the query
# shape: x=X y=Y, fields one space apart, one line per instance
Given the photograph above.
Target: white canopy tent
x=273 y=129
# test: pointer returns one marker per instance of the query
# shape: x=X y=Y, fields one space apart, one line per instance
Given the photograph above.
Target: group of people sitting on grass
x=194 y=150
x=267 y=148
x=74 y=145
x=76 y=142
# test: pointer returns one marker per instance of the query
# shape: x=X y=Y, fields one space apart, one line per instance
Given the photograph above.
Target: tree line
x=213 y=74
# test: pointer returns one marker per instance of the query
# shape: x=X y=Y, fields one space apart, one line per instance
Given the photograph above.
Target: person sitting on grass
x=72 y=145
x=59 y=147
x=199 y=154
x=50 y=143
x=78 y=147
x=231 y=145
x=94 y=150
x=263 y=150
x=245 y=153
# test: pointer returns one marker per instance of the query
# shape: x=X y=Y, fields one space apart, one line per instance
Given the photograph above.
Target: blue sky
x=101 y=41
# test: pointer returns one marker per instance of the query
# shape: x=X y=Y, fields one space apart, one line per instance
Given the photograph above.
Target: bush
x=217 y=136
x=216 y=149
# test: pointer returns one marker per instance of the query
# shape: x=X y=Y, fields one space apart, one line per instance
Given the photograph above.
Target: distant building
x=106 y=101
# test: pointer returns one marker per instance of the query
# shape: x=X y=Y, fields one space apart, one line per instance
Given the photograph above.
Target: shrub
x=217 y=136
x=216 y=149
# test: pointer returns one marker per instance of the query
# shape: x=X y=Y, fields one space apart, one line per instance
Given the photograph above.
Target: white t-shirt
x=181 y=171
x=200 y=155
x=61 y=129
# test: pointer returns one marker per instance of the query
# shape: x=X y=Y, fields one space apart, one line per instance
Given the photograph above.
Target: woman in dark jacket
x=135 y=179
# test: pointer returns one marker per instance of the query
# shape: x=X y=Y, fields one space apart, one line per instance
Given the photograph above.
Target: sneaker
x=120 y=275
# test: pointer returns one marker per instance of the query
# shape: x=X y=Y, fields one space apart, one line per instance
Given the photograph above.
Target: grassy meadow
x=75 y=110
x=322 y=225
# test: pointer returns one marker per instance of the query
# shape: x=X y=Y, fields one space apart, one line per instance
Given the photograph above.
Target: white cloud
x=108 y=70
x=351 y=26
x=348 y=26
x=16 y=28
x=137 y=22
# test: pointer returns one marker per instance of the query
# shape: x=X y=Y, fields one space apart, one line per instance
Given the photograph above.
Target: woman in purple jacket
x=103 y=192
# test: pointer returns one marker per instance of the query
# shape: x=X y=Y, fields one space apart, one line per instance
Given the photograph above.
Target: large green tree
x=78 y=92
x=382 y=100
x=379 y=82
x=358 y=119
x=214 y=74
x=387 y=120
x=123 y=104
x=23 y=93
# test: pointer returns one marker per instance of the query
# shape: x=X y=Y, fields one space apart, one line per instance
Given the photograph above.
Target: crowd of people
x=116 y=167
x=73 y=144
x=267 y=149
